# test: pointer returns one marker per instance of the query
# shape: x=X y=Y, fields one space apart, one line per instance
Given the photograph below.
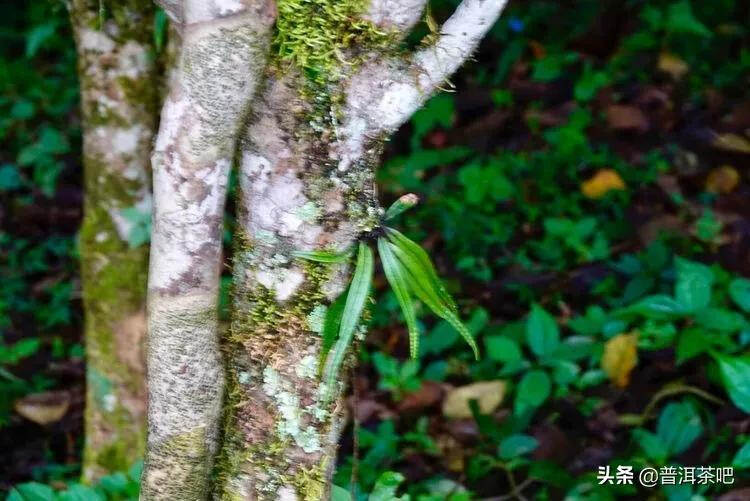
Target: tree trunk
x=118 y=78
x=224 y=46
x=307 y=182
x=281 y=432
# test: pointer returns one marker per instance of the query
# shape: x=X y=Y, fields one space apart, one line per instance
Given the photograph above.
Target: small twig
x=669 y=391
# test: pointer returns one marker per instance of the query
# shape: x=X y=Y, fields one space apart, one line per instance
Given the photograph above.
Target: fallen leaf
x=428 y=394
x=624 y=117
x=488 y=394
x=601 y=183
x=672 y=65
x=722 y=179
x=620 y=357
x=43 y=408
x=731 y=142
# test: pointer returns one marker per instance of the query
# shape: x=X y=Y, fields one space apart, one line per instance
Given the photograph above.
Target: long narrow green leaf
x=401 y=205
x=355 y=303
x=396 y=275
x=331 y=325
x=323 y=256
x=430 y=296
x=424 y=270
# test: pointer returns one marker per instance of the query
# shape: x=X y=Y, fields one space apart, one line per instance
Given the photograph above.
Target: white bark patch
x=96 y=41
x=398 y=14
x=287 y=494
x=125 y=141
x=134 y=59
x=292 y=416
x=282 y=282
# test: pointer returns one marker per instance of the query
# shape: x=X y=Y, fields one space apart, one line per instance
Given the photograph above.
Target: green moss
x=317 y=35
x=311 y=483
x=114 y=287
x=142 y=94
x=178 y=461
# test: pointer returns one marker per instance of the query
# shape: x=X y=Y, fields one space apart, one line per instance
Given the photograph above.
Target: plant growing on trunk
x=339 y=84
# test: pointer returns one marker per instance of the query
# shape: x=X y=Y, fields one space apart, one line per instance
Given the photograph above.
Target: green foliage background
x=546 y=275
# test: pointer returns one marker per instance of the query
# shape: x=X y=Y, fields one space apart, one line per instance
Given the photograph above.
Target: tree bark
x=307 y=182
x=118 y=75
x=223 y=52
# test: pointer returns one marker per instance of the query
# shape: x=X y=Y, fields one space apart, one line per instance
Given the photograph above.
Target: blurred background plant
x=584 y=192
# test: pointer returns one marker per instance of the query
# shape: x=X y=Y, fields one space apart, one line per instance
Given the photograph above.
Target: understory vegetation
x=583 y=194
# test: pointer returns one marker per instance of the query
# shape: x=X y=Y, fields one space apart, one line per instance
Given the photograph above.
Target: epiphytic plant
x=409 y=272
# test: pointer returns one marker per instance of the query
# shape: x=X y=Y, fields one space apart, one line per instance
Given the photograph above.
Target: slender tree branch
x=459 y=37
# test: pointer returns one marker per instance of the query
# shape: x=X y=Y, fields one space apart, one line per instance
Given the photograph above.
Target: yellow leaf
x=672 y=65
x=723 y=179
x=620 y=357
x=732 y=142
x=43 y=408
x=488 y=394
x=601 y=183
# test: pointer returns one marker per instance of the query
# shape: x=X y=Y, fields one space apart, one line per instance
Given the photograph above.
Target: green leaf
x=680 y=19
x=422 y=265
x=386 y=486
x=739 y=291
x=535 y=387
x=542 y=333
x=658 y=307
x=160 y=29
x=720 y=319
x=359 y=290
x=332 y=323
x=516 y=445
x=401 y=205
x=78 y=492
x=502 y=349
x=32 y=491
x=678 y=427
x=694 y=282
x=735 y=373
x=589 y=83
x=742 y=458
x=693 y=342
x=651 y=444
x=323 y=256
x=10 y=177
x=38 y=36
x=423 y=281
x=340 y=494
x=397 y=277
x=115 y=483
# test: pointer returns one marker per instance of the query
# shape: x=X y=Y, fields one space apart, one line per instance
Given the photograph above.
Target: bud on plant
x=403 y=204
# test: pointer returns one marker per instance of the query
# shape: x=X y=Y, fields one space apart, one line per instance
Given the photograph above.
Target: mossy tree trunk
x=118 y=75
x=307 y=182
